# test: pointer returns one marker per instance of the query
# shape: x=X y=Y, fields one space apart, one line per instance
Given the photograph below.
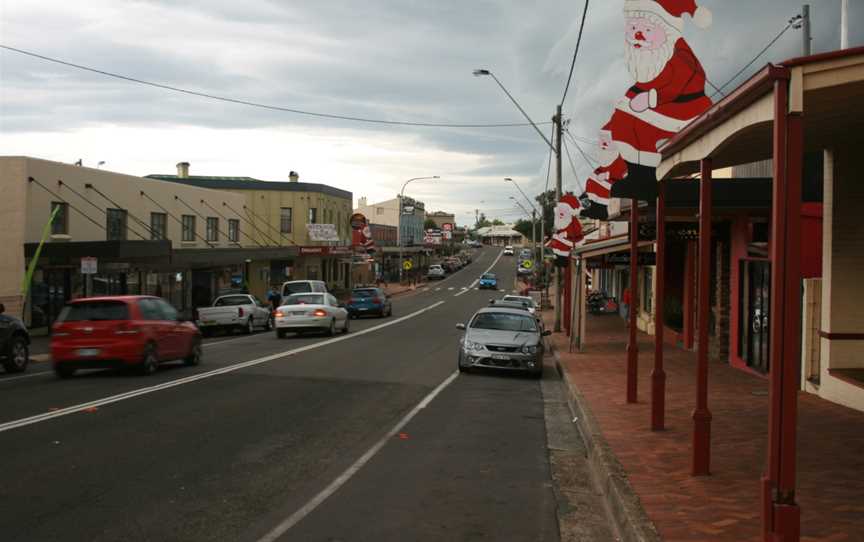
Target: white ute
x=236 y=311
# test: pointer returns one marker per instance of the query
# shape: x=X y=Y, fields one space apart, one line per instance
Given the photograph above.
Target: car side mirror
x=546 y=333
x=460 y=326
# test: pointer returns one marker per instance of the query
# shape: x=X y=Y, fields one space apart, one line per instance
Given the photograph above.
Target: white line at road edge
x=15 y=424
x=484 y=272
x=334 y=486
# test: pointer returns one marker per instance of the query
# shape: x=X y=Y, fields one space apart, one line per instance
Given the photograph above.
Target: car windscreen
x=94 y=311
x=304 y=299
x=504 y=321
x=232 y=301
x=368 y=292
x=296 y=288
x=488 y=276
x=517 y=299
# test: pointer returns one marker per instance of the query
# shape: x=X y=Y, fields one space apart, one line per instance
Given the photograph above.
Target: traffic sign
x=407 y=265
x=527 y=264
x=89 y=266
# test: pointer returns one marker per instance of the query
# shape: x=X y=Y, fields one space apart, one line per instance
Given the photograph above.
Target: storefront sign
x=623 y=258
x=313 y=251
x=89 y=266
x=447 y=227
x=322 y=232
x=341 y=251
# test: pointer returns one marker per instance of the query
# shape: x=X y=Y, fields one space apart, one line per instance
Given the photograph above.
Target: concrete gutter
x=610 y=479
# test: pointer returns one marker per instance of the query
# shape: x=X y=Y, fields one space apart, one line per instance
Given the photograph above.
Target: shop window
x=188 y=227
x=60 y=226
x=115 y=226
x=158 y=226
x=286 y=219
x=212 y=229
x=313 y=215
x=233 y=230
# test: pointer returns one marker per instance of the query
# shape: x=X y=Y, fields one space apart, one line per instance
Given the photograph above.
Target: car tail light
x=376 y=300
x=240 y=311
x=319 y=312
x=125 y=329
x=278 y=314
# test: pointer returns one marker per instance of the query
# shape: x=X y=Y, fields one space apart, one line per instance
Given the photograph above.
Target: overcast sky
x=407 y=60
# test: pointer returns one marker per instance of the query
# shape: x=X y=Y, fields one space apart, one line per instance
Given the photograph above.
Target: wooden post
x=701 y=464
x=658 y=375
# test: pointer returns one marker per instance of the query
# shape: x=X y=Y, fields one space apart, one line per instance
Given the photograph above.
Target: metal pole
x=559 y=283
x=658 y=375
x=632 y=308
x=701 y=463
x=534 y=233
x=399 y=232
x=805 y=27
x=844 y=24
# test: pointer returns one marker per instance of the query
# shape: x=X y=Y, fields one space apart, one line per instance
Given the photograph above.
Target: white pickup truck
x=235 y=311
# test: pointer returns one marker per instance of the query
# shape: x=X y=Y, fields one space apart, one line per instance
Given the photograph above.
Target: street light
x=533 y=217
x=399 y=229
x=533 y=224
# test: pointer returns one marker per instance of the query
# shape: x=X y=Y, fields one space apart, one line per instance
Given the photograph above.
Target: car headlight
x=471 y=345
x=529 y=349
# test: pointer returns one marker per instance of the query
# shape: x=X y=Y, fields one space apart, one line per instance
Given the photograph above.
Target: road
x=366 y=436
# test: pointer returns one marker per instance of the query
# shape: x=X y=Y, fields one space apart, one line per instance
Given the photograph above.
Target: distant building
x=501 y=236
x=387 y=213
x=440 y=218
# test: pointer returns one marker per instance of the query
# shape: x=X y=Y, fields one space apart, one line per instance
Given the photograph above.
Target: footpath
x=645 y=475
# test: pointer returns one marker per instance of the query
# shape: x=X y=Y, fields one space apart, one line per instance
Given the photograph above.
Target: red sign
x=316 y=251
x=447 y=227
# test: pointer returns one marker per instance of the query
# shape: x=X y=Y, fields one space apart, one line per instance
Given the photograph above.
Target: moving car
x=236 y=311
x=303 y=287
x=122 y=331
x=502 y=338
x=508 y=250
x=369 y=301
x=436 y=272
x=488 y=281
x=14 y=343
x=300 y=313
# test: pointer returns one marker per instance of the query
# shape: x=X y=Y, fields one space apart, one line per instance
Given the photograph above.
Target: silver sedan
x=310 y=312
x=502 y=338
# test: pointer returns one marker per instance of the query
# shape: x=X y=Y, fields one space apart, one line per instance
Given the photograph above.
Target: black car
x=14 y=343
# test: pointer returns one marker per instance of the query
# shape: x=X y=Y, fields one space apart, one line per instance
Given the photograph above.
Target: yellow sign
x=527 y=264
x=407 y=265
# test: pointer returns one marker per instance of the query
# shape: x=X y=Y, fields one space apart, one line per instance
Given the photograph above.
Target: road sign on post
x=89 y=266
x=407 y=265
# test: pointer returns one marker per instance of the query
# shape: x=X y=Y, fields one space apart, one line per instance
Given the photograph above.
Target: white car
x=532 y=306
x=240 y=311
x=300 y=313
x=508 y=250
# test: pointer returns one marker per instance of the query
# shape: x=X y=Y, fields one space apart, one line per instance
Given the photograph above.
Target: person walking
x=274 y=297
x=625 y=303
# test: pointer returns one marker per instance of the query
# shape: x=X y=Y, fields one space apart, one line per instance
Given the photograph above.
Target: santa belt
x=684 y=98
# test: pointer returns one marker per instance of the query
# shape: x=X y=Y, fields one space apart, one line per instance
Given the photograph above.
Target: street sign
x=407 y=265
x=527 y=264
x=89 y=266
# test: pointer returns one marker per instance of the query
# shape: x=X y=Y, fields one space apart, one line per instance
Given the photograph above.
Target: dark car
x=14 y=343
x=366 y=301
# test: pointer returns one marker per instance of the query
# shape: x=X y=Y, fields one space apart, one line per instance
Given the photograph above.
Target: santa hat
x=672 y=11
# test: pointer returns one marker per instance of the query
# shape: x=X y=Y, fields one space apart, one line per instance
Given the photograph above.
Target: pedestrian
x=625 y=304
x=274 y=297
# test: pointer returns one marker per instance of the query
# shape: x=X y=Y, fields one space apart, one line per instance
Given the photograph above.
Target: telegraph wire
x=755 y=58
x=575 y=52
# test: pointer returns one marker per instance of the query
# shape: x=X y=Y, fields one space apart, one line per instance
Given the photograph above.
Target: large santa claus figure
x=669 y=89
x=568 y=229
x=612 y=169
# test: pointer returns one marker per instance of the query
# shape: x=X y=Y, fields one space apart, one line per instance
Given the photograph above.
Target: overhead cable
x=575 y=52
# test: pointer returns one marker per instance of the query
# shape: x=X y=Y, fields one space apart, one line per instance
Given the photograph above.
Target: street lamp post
x=399 y=228
x=534 y=213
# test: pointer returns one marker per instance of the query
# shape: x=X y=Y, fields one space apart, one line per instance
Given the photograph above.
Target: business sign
x=623 y=258
x=89 y=266
x=447 y=227
x=408 y=210
x=313 y=251
x=322 y=232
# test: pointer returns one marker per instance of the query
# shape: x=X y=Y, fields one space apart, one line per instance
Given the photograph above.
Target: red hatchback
x=123 y=331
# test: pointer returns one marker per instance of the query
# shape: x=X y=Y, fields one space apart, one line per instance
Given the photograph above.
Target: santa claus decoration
x=668 y=91
x=568 y=229
x=612 y=169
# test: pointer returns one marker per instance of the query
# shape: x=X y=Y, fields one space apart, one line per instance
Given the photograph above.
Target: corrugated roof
x=248 y=183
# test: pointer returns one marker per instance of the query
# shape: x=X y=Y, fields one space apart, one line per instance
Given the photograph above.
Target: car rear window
x=232 y=301
x=304 y=299
x=296 y=288
x=488 y=276
x=365 y=293
x=94 y=311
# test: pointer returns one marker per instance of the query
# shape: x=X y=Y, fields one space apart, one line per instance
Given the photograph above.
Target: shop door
x=756 y=307
x=55 y=292
x=202 y=288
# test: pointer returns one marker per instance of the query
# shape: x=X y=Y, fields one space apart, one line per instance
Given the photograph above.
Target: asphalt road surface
x=366 y=436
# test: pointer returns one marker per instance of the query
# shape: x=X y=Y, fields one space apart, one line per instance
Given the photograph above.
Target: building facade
x=387 y=213
x=441 y=218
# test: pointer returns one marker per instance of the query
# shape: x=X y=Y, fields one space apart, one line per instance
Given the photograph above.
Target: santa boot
x=640 y=183
x=597 y=211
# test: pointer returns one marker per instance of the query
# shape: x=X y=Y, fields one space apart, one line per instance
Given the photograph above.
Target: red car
x=123 y=331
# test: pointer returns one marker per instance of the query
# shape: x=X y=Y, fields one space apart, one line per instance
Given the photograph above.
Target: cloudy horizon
x=390 y=60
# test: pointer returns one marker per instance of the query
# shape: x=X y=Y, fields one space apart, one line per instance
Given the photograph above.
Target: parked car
x=528 y=300
x=526 y=254
x=237 y=311
x=436 y=272
x=303 y=287
x=320 y=312
x=488 y=281
x=14 y=343
x=508 y=250
x=502 y=338
x=369 y=301
x=455 y=262
x=123 y=331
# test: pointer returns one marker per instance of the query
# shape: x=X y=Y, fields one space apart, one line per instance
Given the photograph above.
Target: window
x=60 y=226
x=158 y=226
x=313 y=215
x=286 y=219
x=188 y=227
x=116 y=224
x=212 y=228
x=233 y=230
x=150 y=309
x=168 y=310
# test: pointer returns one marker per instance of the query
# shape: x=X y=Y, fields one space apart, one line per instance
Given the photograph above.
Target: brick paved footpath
x=724 y=506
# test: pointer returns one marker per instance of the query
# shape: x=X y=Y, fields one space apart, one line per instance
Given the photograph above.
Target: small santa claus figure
x=568 y=229
x=612 y=169
x=669 y=89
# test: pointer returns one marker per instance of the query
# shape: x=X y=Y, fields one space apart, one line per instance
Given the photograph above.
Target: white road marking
x=15 y=424
x=437 y=289
x=334 y=486
x=450 y=288
x=31 y=375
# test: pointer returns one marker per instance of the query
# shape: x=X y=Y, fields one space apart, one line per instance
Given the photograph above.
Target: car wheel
x=345 y=327
x=19 y=355
x=537 y=375
x=194 y=357
x=280 y=333
x=150 y=361
x=332 y=329
x=63 y=372
x=250 y=326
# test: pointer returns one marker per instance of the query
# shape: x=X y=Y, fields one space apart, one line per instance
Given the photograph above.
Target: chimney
x=361 y=202
x=183 y=170
x=294 y=176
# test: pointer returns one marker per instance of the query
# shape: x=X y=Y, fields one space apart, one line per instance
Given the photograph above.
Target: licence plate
x=501 y=357
x=87 y=352
x=363 y=308
x=301 y=313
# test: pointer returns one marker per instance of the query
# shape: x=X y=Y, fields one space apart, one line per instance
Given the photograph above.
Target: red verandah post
x=658 y=374
x=701 y=415
x=633 y=308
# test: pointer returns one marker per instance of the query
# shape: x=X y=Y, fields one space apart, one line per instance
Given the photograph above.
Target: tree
x=524 y=227
x=547 y=203
x=482 y=222
x=497 y=222
x=430 y=224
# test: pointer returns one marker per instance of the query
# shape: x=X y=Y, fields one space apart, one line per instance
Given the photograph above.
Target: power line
x=573 y=166
x=590 y=160
x=260 y=105
x=755 y=58
x=575 y=52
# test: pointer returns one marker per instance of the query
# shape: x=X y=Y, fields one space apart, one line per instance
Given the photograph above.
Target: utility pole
x=534 y=233
x=805 y=27
x=844 y=24
x=559 y=283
